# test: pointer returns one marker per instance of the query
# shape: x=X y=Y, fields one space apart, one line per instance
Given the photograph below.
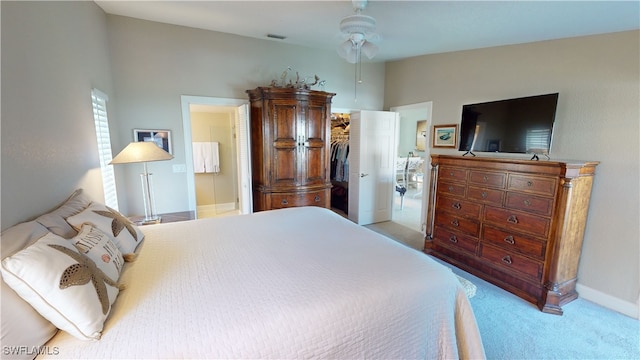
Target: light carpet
x=512 y=328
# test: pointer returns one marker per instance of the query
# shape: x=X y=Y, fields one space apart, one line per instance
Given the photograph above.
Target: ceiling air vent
x=274 y=36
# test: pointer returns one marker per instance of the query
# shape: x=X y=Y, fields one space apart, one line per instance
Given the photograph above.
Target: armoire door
x=286 y=139
x=313 y=134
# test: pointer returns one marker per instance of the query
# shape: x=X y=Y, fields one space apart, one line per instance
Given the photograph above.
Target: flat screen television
x=520 y=125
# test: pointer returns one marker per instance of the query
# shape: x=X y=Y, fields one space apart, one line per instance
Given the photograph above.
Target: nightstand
x=165 y=218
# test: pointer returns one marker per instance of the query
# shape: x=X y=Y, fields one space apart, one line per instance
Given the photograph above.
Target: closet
x=339 y=162
x=290 y=136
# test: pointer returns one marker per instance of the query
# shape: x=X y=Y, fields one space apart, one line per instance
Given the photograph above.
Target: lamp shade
x=142 y=151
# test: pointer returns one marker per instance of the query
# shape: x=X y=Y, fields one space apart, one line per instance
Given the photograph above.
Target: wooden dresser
x=290 y=134
x=518 y=224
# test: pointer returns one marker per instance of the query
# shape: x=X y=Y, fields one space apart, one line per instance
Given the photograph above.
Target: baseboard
x=215 y=208
x=608 y=301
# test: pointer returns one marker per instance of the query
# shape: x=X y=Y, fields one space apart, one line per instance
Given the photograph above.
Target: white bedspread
x=287 y=284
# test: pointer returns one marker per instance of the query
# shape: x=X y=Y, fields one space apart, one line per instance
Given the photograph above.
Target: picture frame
x=445 y=136
x=162 y=138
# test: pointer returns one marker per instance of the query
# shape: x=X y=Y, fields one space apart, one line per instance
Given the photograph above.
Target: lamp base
x=141 y=220
x=156 y=220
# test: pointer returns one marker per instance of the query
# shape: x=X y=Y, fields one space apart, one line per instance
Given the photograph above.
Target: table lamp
x=144 y=152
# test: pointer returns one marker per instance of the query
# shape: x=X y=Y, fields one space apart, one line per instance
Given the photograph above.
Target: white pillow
x=64 y=286
x=55 y=219
x=22 y=325
x=126 y=234
x=100 y=247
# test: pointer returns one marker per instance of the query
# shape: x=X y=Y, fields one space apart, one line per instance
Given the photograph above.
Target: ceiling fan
x=360 y=32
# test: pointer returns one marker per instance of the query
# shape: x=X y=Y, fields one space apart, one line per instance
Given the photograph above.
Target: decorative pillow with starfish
x=65 y=286
x=126 y=234
x=99 y=246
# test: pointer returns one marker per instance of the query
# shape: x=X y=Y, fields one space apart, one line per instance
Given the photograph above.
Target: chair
x=401 y=178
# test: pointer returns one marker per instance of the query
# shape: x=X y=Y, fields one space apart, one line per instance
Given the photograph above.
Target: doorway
x=216 y=155
x=412 y=159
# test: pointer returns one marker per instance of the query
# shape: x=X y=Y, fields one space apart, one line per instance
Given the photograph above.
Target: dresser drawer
x=529 y=203
x=517 y=221
x=449 y=188
x=534 y=184
x=488 y=178
x=285 y=200
x=458 y=223
x=455 y=240
x=459 y=207
x=485 y=195
x=452 y=173
x=514 y=242
x=511 y=261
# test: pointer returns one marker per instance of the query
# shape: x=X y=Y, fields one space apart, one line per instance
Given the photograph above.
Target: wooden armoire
x=290 y=134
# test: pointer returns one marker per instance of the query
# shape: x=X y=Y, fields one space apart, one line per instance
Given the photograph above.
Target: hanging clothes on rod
x=340 y=157
x=206 y=157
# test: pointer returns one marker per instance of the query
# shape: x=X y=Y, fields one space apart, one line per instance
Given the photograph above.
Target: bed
x=289 y=284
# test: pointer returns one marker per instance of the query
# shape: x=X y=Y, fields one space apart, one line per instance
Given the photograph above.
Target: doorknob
x=363 y=175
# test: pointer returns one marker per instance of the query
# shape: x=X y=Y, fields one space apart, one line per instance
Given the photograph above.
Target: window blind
x=99 y=101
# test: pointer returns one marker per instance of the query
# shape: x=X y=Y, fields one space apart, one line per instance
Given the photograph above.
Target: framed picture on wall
x=161 y=137
x=445 y=136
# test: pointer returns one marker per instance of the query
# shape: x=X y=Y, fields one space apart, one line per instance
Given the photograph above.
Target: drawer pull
x=453 y=239
x=450 y=188
x=456 y=206
x=455 y=222
x=485 y=178
x=529 y=183
x=509 y=240
x=284 y=202
x=512 y=219
x=451 y=173
x=527 y=203
x=484 y=194
x=507 y=260
x=317 y=198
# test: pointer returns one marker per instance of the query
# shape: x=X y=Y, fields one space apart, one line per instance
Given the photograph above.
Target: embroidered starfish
x=83 y=272
x=119 y=222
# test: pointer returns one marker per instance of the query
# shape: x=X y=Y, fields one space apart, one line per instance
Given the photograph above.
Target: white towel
x=206 y=157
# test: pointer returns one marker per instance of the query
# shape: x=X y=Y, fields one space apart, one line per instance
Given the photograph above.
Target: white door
x=371 y=166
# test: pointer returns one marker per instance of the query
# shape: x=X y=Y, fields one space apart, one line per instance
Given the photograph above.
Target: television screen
x=522 y=125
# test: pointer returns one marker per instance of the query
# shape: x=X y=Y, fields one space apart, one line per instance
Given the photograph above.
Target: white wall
x=154 y=64
x=53 y=54
x=598 y=118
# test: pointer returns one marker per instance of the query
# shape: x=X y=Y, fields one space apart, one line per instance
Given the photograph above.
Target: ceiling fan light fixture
x=345 y=48
x=358 y=23
x=369 y=49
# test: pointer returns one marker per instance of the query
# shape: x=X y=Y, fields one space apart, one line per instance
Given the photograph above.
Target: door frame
x=428 y=107
x=186 y=101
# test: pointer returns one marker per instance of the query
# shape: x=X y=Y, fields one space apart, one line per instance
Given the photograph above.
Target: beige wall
x=53 y=54
x=598 y=118
x=217 y=188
